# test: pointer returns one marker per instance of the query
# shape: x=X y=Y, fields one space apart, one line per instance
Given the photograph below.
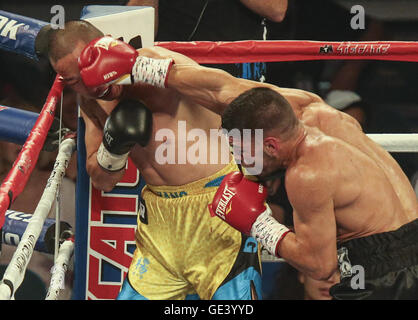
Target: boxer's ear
x=271 y=146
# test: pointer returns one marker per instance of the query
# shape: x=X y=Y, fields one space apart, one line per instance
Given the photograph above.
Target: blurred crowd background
x=382 y=95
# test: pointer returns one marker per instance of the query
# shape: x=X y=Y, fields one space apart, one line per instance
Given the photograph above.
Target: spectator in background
x=212 y=20
x=218 y=20
x=352 y=104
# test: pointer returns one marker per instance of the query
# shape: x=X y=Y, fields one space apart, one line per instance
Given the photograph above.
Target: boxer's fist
x=107 y=60
x=239 y=201
x=128 y=124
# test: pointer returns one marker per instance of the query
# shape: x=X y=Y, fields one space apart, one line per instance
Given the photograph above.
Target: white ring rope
x=397 y=142
x=58 y=271
x=58 y=195
x=16 y=269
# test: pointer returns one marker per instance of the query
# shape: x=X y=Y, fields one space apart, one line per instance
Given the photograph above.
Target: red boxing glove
x=241 y=203
x=106 y=60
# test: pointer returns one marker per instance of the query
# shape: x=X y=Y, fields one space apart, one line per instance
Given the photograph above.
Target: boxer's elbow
x=314 y=262
x=322 y=269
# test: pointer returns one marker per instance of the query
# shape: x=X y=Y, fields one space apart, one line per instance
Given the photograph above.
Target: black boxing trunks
x=382 y=266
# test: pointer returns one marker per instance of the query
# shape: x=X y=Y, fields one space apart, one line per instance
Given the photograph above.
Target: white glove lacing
x=268 y=231
x=151 y=71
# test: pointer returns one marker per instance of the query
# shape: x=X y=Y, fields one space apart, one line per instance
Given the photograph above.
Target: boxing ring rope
x=60 y=267
x=224 y=52
x=16 y=269
x=14 y=184
x=280 y=51
x=400 y=142
x=25 y=162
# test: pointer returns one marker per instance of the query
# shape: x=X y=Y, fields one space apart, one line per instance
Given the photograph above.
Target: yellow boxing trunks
x=183 y=252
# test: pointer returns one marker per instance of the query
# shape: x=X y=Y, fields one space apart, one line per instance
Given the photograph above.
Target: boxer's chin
x=110 y=92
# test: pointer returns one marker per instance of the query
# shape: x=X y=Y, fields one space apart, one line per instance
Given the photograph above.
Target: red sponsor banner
x=111 y=229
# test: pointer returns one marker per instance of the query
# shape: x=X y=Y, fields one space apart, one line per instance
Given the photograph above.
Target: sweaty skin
x=168 y=107
x=341 y=184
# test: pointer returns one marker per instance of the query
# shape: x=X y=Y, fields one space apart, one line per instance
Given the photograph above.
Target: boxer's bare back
x=370 y=193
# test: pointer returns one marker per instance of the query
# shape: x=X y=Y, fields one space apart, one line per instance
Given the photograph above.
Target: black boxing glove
x=129 y=123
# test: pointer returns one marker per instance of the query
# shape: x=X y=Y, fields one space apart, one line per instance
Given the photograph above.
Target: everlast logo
x=221 y=209
x=109 y=138
x=9 y=27
x=326 y=49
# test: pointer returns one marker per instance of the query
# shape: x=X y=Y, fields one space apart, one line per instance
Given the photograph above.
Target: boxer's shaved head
x=261 y=108
x=63 y=41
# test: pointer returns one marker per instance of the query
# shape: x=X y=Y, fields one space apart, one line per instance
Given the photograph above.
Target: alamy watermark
x=58 y=18
x=358 y=21
x=358 y=277
x=356 y=272
x=196 y=146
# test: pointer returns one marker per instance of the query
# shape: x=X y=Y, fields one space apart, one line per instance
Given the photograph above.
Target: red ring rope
x=276 y=51
x=25 y=162
x=210 y=52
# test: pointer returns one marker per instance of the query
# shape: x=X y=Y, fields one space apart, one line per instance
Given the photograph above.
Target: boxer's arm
x=312 y=247
x=215 y=88
x=101 y=179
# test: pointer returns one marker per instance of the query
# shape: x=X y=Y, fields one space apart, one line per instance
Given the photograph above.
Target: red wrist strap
x=278 y=243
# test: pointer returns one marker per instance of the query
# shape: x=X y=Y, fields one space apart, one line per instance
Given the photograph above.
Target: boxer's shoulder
x=309 y=187
x=157 y=52
x=317 y=167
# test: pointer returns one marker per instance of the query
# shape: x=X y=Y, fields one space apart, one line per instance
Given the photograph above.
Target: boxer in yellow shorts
x=184 y=253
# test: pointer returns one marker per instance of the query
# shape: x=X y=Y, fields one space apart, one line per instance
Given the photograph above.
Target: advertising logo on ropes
x=352 y=48
x=9 y=27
